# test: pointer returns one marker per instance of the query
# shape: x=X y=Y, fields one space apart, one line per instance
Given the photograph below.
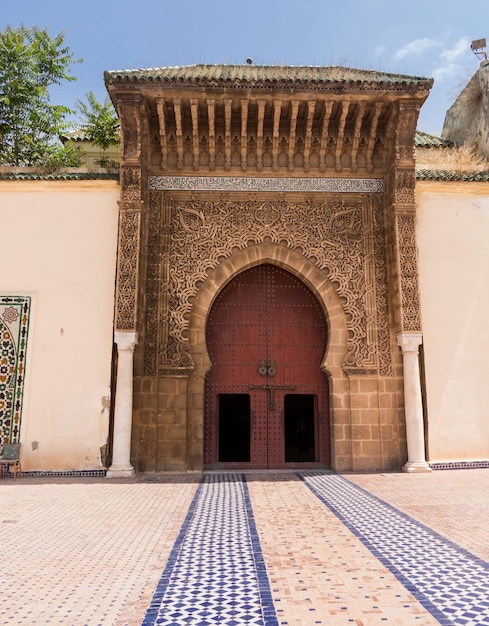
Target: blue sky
x=419 y=37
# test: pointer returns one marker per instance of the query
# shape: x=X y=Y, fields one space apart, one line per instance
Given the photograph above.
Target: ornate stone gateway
x=266 y=396
x=229 y=168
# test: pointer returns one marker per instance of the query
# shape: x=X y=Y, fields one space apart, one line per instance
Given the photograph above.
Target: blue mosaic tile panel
x=215 y=575
x=14 y=330
x=451 y=583
x=243 y=183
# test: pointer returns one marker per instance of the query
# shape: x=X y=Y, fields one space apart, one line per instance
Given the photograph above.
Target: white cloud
x=443 y=71
x=416 y=48
x=460 y=48
x=447 y=66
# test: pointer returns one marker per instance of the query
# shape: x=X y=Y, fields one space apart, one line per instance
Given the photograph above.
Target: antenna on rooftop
x=478 y=47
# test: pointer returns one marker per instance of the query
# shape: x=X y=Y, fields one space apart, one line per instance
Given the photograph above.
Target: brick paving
x=319 y=571
x=454 y=503
x=86 y=551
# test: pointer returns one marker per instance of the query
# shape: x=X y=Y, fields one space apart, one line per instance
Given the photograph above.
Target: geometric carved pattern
x=406 y=229
x=342 y=235
x=127 y=270
x=14 y=327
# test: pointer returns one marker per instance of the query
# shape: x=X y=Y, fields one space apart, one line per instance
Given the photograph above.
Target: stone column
x=409 y=343
x=121 y=450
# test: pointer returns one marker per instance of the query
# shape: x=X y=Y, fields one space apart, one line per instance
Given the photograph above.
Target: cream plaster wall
x=59 y=242
x=453 y=240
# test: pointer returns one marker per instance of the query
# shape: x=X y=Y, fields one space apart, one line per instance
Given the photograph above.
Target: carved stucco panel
x=153 y=285
x=130 y=183
x=406 y=232
x=381 y=290
x=127 y=270
x=341 y=235
x=405 y=180
x=406 y=128
x=129 y=115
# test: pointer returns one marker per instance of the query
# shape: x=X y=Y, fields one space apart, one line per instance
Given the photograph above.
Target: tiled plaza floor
x=269 y=549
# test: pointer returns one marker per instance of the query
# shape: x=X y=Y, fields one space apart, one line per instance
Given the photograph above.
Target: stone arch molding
x=296 y=264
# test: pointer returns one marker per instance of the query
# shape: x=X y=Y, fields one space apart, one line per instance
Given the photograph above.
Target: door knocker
x=263 y=370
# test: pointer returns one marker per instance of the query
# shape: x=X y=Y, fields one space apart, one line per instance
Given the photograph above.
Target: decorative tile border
x=68 y=474
x=452 y=465
x=450 y=582
x=241 y=183
x=14 y=330
x=215 y=573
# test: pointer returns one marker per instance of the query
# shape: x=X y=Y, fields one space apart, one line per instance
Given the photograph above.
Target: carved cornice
x=275 y=132
x=220 y=131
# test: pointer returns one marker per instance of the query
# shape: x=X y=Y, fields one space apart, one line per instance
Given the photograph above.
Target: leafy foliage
x=100 y=123
x=30 y=62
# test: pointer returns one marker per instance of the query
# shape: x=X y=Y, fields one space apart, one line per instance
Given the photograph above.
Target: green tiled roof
x=59 y=176
x=76 y=134
x=424 y=174
x=424 y=140
x=445 y=175
x=257 y=75
x=421 y=139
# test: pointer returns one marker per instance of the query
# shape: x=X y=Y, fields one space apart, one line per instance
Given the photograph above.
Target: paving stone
x=271 y=549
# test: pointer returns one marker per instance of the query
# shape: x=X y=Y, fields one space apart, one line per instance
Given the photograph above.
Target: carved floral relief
x=342 y=235
x=127 y=269
x=406 y=229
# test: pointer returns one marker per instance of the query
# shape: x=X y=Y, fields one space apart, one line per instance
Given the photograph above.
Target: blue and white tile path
x=451 y=583
x=215 y=575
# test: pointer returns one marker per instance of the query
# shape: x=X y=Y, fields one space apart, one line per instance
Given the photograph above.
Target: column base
x=417 y=466
x=120 y=471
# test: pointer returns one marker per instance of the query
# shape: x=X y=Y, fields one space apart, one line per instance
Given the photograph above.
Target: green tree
x=100 y=124
x=30 y=125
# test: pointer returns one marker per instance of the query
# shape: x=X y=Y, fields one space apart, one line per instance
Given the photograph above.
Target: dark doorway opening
x=234 y=428
x=299 y=427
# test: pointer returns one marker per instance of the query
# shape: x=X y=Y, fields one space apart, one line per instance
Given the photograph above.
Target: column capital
x=409 y=342
x=126 y=339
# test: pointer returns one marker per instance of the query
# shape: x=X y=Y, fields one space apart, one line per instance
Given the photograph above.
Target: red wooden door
x=266 y=396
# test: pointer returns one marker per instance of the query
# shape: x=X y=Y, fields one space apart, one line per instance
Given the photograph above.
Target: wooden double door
x=266 y=398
